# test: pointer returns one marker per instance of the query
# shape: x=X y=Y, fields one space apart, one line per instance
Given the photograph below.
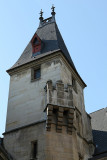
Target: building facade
x=46 y=117
x=99 y=130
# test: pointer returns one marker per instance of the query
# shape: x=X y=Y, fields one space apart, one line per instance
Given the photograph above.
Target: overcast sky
x=83 y=25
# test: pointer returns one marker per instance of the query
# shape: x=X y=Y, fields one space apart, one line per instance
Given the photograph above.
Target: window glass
x=37 y=74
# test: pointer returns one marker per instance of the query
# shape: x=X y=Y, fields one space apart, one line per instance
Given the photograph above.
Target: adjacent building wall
x=18 y=143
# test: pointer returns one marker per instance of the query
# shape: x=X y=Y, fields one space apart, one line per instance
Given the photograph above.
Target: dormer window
x=36 y=45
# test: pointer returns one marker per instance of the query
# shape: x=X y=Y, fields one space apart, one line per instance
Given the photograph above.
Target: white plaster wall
x=27 y=99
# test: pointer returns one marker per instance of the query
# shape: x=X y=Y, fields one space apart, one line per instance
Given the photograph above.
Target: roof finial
x=53 y=10
x=53 y=13
x=41 y=18
x=41 y=15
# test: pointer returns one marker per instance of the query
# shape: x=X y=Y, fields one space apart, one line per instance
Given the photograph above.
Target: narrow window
x=78 y=123
x=65 y=117
x=73 y=81
x=37 y=74
x=74 y=84
x=34 y=150
x=54 y=118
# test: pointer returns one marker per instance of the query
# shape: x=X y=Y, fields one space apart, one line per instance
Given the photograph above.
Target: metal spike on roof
x=41 y=13
x=53 y=8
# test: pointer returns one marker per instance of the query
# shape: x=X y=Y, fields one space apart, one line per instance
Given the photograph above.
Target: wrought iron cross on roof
x=41 y=13
x=53 y=8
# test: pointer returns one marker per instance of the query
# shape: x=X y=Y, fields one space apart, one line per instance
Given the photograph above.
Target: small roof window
x=36 y=45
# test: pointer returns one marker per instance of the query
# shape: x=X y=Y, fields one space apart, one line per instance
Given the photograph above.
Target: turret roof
x=52 y=42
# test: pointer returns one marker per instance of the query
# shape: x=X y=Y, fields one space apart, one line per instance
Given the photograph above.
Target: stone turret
x=46 y=117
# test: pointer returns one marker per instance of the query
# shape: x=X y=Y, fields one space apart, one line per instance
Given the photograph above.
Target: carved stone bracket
x=60 y=119
x=49 y=117
x=59 y=114
x=70 y=120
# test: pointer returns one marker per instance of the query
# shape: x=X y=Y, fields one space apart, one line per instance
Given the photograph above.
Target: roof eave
x=44 y=55
x=75 y=70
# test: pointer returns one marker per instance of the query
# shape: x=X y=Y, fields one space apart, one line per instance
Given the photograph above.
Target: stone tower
x=46 y=117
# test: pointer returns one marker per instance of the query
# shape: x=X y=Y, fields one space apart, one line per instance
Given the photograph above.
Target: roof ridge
x=98 y=110
x=63 y=47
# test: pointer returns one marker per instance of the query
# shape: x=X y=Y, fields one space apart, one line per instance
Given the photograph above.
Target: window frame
x=33 y=155
x=74 y=84
x=33 y=70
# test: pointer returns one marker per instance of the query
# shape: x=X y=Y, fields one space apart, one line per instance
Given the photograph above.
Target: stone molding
x=25 y=126
x=46 y=58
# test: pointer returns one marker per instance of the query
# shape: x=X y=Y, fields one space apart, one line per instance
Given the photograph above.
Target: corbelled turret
x=46 y=118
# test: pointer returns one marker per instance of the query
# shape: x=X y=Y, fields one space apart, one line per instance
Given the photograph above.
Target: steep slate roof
x=100 y=139
x=52 y=42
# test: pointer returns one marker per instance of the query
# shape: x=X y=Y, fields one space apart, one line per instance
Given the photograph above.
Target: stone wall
x=18 y=143
x=27 y=99
x=67 y=131
x=78 y=99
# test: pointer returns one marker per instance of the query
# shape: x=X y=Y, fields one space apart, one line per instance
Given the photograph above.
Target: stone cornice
x=36 y=62
x=74 y=72
x=25 y=126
